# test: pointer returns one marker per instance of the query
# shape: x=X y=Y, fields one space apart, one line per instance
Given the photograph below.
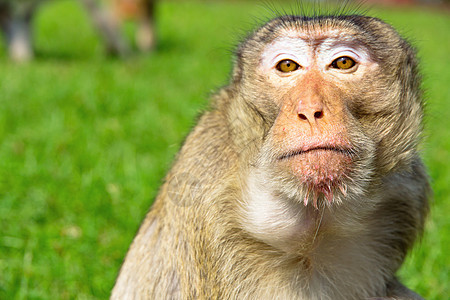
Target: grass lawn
x=86 y=140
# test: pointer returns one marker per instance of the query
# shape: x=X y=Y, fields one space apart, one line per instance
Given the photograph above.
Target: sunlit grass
x=86 y=141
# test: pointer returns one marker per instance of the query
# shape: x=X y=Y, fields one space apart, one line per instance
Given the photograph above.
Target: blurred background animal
x=16 y=21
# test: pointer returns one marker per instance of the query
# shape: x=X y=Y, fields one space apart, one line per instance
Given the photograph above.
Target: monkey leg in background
x=143 y=11
x=303 y=180
x=108 y=23
x=145 y=35
x=16 y=24
x=109 y=28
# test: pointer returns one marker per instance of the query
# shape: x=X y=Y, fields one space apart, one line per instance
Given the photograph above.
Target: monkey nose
x=310 y=109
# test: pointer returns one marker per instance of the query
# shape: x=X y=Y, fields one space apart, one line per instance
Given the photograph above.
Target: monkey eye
x=287 y=66
x=343 y=63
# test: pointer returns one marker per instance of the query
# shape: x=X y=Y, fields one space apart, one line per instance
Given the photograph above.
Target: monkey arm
x=401 y=219
x=161 y=256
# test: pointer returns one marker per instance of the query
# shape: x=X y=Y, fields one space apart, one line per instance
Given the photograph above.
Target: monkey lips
x=322 y=169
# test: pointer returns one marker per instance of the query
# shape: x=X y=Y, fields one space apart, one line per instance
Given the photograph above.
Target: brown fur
x=237 y=218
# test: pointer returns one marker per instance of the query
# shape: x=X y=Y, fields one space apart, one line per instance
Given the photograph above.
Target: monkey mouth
x=339 y=150
x=320 y=167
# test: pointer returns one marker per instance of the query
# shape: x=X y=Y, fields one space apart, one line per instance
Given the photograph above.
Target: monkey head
x=339 y=101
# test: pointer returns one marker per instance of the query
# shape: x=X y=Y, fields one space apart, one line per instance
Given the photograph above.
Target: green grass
x=86 y=140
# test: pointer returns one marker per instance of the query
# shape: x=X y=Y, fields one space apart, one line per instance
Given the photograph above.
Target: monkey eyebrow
x=354 y=46
x=286 y=48
x=355 y=53
x=284 y=55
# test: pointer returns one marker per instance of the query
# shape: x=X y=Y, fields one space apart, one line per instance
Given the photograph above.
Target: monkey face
x=311 y=76
x=336 y=94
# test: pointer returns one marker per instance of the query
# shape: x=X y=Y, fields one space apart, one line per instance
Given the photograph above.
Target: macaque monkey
x=303 y=180
x=16 y=18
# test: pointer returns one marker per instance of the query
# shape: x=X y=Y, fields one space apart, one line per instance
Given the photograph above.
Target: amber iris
x=287 y=66
x=343 y=63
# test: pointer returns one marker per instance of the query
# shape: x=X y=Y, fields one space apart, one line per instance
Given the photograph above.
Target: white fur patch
x=270 y=218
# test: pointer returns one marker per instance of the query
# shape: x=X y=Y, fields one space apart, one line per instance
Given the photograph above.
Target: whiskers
x=320 y=222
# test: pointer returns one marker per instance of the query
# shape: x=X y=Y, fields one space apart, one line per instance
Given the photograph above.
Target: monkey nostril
x=318 y=114
x=302 y=116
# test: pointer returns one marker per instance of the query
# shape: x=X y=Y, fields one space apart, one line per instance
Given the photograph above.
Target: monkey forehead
x=367 y=30
x=315 y=32
x=305 y=28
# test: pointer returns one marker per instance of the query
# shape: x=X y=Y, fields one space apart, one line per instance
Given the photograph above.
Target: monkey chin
x=323 y=171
